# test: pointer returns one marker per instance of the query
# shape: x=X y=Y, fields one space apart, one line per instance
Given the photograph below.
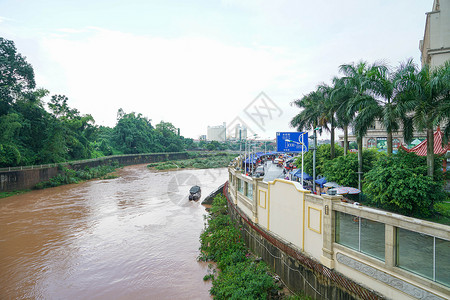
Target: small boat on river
x=195 y=193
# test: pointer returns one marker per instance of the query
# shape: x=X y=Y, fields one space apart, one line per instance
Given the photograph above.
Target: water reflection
x=133 y=237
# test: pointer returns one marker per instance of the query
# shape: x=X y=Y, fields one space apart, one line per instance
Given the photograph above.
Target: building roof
x=421 y=149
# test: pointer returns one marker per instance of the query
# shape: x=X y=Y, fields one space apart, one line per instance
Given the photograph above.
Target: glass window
x=347 y=230
x=250 y=190
x=415 y=252
x=395 y=143
x=363 y=235
x=372 y=238
x=424 y=255
x=371 y=143
x=240 y=186
x=443 y=261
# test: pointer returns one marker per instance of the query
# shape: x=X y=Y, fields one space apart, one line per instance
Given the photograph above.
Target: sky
x=202 y=63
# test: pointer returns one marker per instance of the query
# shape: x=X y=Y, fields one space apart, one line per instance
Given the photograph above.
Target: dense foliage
x=68 y=175
x=323 y=154
x=344 y=169
x=241 y=277
x=201 y=161
x=400 y=183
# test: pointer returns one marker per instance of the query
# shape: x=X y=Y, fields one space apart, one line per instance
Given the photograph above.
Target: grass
x=13 y=193
x=68 y=176
x=442 y=214
x=217 y=160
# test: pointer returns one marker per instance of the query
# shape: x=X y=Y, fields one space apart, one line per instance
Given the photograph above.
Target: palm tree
x=331 y=104
x=385 y=87
x=340 y=97
x=311 y=116
x=426 y=93
x=359 y=79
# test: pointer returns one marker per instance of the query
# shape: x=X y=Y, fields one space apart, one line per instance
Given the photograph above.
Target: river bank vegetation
x=241 y=275
x=197 y=160
x=68 y=176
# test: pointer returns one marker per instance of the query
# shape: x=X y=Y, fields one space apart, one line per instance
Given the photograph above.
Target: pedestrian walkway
x=272 y=172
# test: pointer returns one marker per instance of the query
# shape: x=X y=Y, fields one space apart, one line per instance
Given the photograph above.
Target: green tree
x=133 y=133
x=16 y=75
x=344 y=169
x=426 y=93
x=313 y=112
x=323 y=154
x=341 y=97
x=400 y=183
x=359 y=79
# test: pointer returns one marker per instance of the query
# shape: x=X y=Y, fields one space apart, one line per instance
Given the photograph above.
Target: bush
x=400 y=183
x=240 y=276
x=68 y=176
x=344 y=169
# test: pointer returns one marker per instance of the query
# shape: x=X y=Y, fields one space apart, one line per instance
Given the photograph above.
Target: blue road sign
x=292 y=141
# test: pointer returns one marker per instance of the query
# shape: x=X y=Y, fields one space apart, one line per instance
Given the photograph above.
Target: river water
x=132 y=237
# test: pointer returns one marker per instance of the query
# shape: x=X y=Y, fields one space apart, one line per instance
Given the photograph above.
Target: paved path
x=272 y=172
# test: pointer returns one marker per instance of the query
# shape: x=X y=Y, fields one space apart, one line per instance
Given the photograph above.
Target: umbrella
x=343 y=190
x=298 y=173
x=331 y=184
x=340 y=190
x=352 y=190
x=321 y=181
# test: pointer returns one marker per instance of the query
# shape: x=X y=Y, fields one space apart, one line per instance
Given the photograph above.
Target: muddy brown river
x=132 y=237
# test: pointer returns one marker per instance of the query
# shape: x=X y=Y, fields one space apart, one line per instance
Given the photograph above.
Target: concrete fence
x=341 y=250
x=20 y=178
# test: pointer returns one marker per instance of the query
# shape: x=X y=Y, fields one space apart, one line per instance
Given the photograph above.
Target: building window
x=372 y=126
x=363 y=235
x=395 y=143
x=249 y=190
x=240 y=186
x=382 y=143
x=425 y=255
x=371 y=143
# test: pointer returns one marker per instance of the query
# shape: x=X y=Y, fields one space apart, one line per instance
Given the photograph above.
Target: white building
x=217 y=133
x=240 y=132
x=435 y=46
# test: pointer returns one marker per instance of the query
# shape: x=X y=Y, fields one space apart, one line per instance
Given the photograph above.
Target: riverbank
x=241 y=274
x=196 y=161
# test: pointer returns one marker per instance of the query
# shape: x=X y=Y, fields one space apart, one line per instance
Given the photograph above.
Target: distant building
x=376 y=137
x=217 y=133
x=435 y=46
x=240 y=132
x=202 y=137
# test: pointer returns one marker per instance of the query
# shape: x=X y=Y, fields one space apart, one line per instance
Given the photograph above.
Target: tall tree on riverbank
x=16 y=75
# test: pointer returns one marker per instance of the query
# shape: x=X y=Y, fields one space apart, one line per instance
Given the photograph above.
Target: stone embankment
x=27 y=177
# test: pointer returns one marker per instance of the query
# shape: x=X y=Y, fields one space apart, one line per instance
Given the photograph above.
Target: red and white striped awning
x=421 y=149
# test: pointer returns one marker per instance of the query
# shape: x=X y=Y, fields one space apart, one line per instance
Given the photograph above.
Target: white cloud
x=190 y=81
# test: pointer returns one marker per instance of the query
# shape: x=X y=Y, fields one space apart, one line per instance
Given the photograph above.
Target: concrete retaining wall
x=26 y=179
x=297 y=276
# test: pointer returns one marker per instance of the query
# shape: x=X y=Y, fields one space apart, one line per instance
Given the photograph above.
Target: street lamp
x=314 y=137
x=303 y=146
